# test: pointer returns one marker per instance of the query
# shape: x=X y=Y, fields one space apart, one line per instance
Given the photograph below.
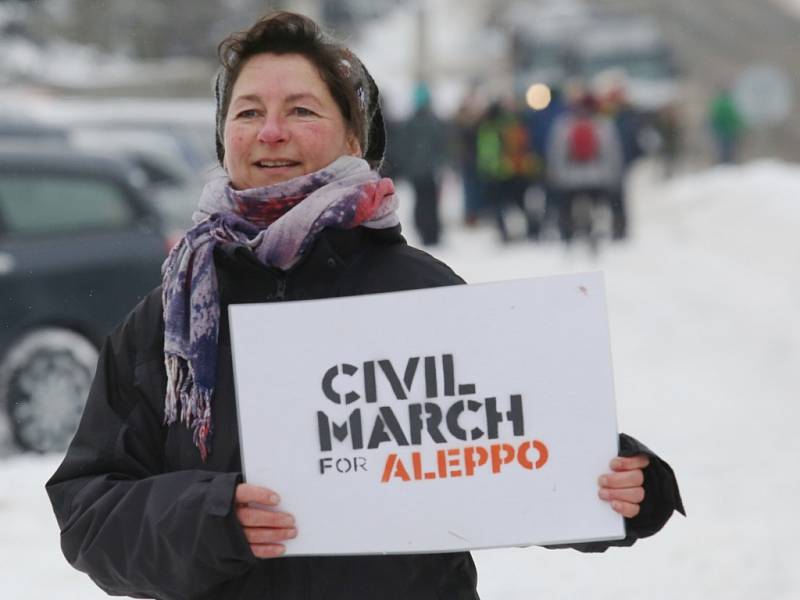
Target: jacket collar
x=333 y=248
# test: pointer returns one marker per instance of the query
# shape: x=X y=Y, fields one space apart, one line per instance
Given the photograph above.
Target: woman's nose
x=273 y=131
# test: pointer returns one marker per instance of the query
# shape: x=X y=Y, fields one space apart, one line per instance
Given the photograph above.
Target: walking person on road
x=726 y=125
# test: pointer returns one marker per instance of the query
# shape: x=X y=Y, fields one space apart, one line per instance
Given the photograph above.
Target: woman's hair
x=350 y=85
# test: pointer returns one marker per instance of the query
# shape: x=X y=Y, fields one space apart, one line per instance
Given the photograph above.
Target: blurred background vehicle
x=633 y=47
x=172 y=182
x=541 y=37
x=80 y=244
x=24 y=129
x=168 y=143
x=185 y=127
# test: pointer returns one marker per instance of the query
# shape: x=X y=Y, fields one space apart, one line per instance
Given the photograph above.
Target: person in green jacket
x=726 y=125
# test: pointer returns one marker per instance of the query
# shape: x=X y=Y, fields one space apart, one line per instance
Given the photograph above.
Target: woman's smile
x=275 y=167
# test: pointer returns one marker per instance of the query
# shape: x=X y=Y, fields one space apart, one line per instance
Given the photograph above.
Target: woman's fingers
x=263 y=540
x=267 y=550
x=623 y=487
x=258 y=517
x=634 y=495
x=247 y=493
x=629 y=463
x=262 y=527
x=626 y=509
x=622 y=479
x=264 y=535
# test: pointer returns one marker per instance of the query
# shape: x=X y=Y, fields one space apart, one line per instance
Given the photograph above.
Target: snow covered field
x=705 y=330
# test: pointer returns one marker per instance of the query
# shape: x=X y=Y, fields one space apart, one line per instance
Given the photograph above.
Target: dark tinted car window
x=53 y=204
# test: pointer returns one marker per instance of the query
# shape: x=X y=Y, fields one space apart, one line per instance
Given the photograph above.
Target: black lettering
x=433 y=422
x=327 y=384
x=394 y=380
x=452 y=420
x=411 y=370
x=492 y=417
x=415 y=423
x=339 y=431
x=466 y=389
x=475 y=406
x=515 y=414
x=379 y=431
x=449 y=375
x=430 y=377
x=370 y=393
x=454 y=412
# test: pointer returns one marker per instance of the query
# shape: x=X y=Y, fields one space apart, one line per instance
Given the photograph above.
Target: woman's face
x=282 y=122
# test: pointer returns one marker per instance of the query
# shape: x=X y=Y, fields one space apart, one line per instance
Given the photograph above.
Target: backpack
x=489 y=148
x=584 y=145
x=518 y=158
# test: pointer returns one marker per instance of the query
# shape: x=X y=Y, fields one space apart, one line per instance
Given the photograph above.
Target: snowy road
x=706 y=341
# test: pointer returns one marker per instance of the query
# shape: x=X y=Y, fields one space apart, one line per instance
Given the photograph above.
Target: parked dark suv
x=79 y=246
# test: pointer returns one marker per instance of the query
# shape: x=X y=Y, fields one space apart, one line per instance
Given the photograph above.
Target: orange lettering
x=442 y=462
x=399 y=469
x=469 y=458
x=543 y=453
x=387 y=471
x=416 y=465
x=522 y=455
x=497 y=460
x=455 y=461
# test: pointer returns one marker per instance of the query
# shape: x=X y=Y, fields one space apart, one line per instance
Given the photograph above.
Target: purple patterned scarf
x=344 y=195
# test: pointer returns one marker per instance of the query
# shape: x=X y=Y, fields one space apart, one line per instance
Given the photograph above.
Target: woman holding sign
x=149 y=497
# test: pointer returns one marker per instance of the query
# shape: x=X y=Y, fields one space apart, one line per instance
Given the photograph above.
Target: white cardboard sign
x=463 y=417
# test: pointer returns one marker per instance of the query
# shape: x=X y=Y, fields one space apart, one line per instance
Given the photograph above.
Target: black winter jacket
x=144 y=517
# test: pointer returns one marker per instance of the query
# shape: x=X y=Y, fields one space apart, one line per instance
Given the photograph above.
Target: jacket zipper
x=280 y=292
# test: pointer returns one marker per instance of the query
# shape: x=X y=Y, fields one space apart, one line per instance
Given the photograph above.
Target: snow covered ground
x=706 y=340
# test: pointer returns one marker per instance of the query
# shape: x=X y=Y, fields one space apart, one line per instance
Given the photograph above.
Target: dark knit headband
x=369 y=110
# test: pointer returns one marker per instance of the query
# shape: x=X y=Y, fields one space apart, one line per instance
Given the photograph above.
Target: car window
x=58 y=203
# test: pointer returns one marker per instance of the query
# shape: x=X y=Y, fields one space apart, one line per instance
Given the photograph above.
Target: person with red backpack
x=584 y=146
x=584 y=158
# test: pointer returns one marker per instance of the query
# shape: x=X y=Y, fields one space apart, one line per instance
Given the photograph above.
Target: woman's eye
x=302 y=111
x=247 y=114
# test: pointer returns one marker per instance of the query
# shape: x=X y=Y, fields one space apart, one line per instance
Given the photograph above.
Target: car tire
x=44 y=382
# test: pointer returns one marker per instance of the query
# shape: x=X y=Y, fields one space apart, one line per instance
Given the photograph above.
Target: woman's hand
x=623 y=486
x=263 y=528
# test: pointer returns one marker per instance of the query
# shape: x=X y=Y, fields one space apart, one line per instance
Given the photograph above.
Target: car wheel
x=44 y=381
